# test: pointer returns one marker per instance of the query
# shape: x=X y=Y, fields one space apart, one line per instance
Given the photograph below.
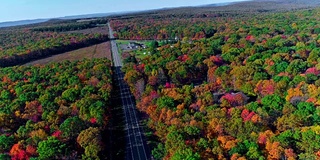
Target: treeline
x=204 y=26
x=56 y=47
x=56 y=111
x=250 y=91
x=71 y=26
x=18 y=46
x=163 y=29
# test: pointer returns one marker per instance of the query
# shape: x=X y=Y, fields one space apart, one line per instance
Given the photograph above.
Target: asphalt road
x=116 y=57
x=136 y=147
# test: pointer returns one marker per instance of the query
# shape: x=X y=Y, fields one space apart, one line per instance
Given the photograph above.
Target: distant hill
x=257 y=4
x=245 y=5
x=23 y=22
x=254 y=6
x=87 y=16
x=222 y=4
x=28 y=22
x=300 y=2
x=266 y=5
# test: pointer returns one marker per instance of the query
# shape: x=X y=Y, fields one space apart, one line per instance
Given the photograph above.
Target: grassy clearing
x=139 y=53
x=126 y=42
x=101 y=30
x=102 y=50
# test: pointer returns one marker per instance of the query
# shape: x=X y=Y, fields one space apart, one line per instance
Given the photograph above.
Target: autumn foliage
x=51 y=105
x=248 y=91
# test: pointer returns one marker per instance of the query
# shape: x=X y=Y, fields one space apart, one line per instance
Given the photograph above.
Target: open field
x=100 y=30
x=96 y=51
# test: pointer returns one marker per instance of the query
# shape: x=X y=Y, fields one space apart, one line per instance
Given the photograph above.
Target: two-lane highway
x=136 y=147
x=116 y=57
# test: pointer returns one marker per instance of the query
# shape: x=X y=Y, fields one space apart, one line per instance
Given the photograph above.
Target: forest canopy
x=55 y=111
x=230 y=87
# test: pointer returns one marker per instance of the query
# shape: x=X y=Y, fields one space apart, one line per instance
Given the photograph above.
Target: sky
x=12 y=10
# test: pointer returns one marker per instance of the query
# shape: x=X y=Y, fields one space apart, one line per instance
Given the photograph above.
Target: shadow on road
x=136 y=144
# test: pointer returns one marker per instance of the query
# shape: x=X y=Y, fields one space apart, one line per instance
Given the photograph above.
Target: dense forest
x=55 y=111
x=235 y=82
x=232 y=87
